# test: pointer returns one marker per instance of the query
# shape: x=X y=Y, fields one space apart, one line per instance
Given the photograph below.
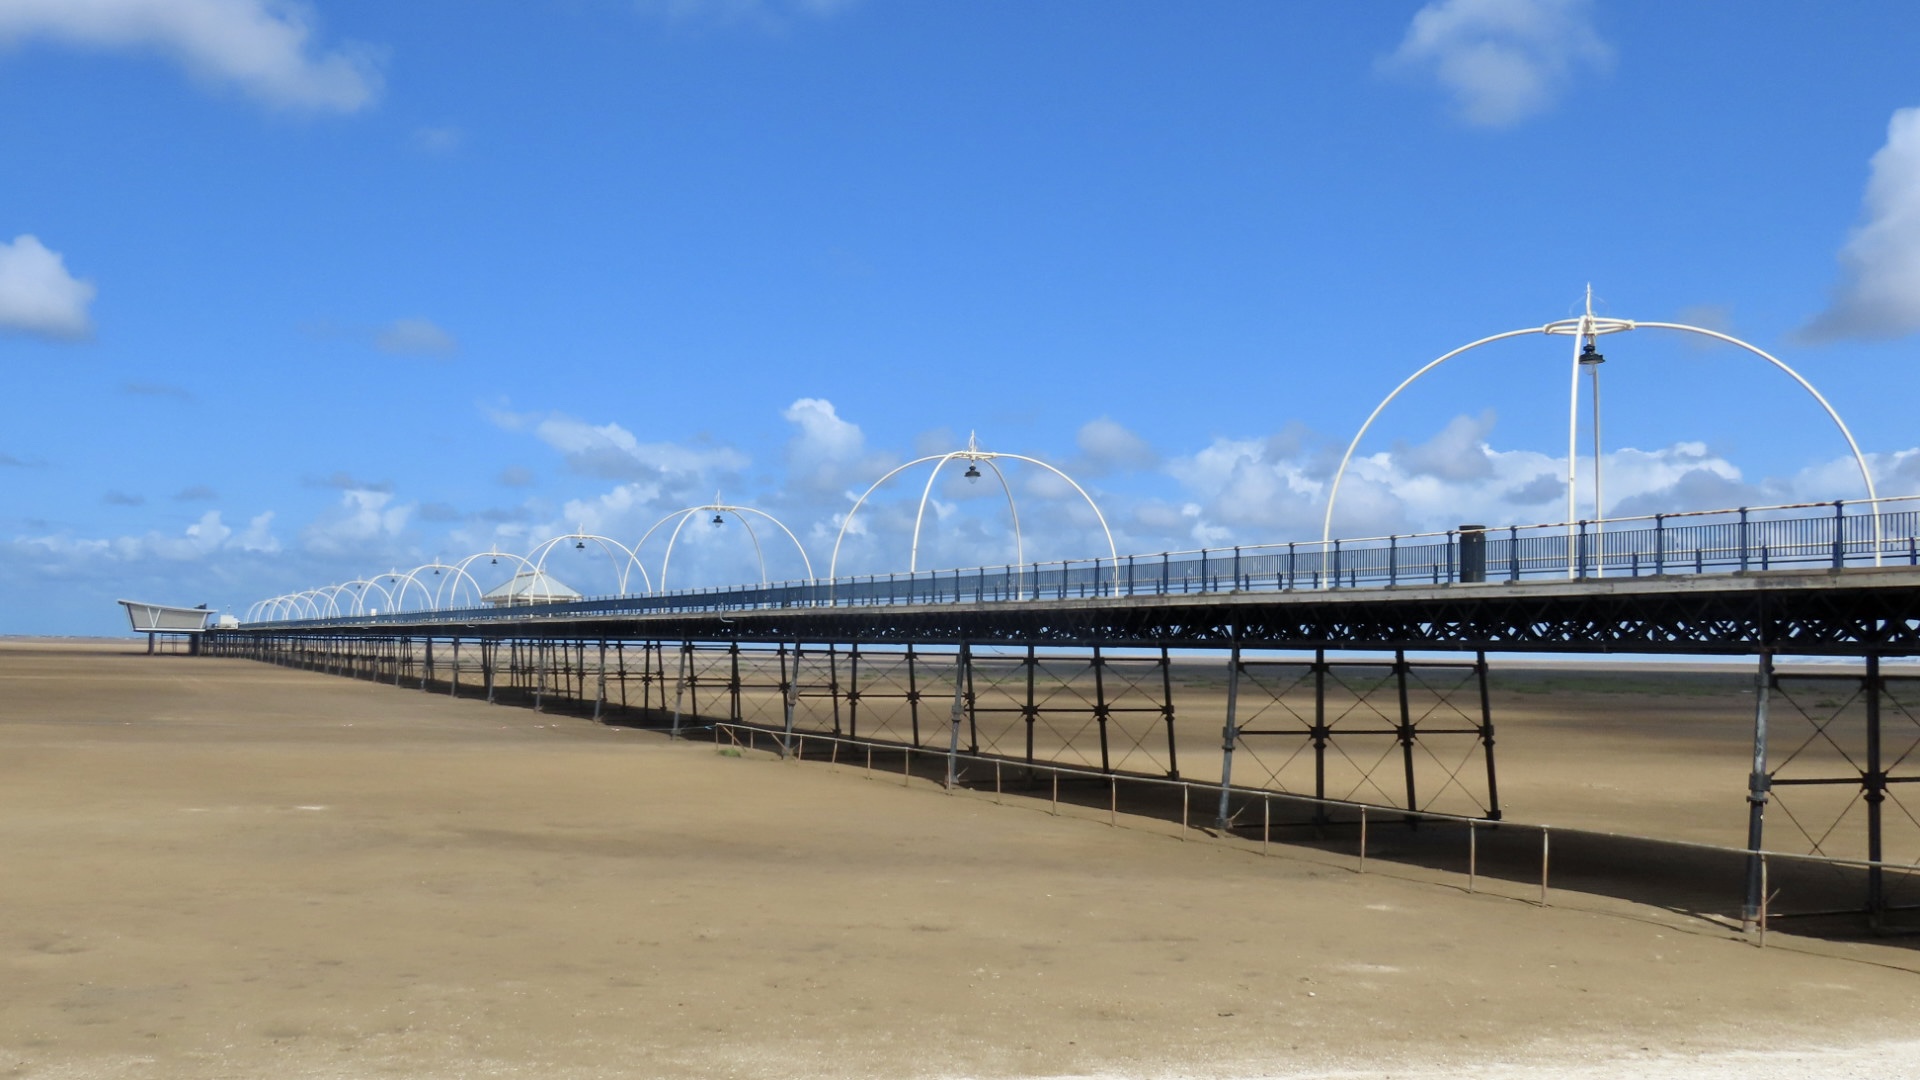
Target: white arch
x=538 y=556
x=717 y=507
x=360 y=587
x=971 y=454
x=401 y=582
x=493 y=555
x=452 y=578
x=1586 y=327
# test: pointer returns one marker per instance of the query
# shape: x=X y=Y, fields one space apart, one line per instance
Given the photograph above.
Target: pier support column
x=1406 y=733
x=1229 y=735
x=1874 y=792
x=1486 y=736
x=962 y=672
x=1758 y=785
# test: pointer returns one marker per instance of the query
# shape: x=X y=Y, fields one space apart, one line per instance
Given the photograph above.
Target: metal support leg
x=793 y=698
x=1486 y=737
x=1166 y=707
x=680 y=685
x=853 y=692
x=1030 y=712
x=962 y=672
x=1100 y=711
x=1320 y=735
x=600 y=684
x=1229 y=735
x=833 y=685
x=913 y=697
x=1874 y=784
x=1406 y=730
x=733 y=681
x=1758 y=785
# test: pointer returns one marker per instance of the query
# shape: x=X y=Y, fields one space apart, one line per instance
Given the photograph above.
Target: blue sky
x=297 y=293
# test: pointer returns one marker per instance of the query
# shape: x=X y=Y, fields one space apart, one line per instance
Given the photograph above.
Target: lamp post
x=1585 y=329
x=974 y=457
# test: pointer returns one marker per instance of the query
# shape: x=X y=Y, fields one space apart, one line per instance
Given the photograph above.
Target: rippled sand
x=214 y=868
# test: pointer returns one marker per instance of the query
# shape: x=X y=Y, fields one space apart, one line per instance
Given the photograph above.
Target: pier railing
x=1831 y=535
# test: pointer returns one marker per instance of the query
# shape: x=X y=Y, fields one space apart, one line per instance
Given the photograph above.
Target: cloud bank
x=38 y=296
x=263 y=47
x=1502 y=61
x=1879 y=292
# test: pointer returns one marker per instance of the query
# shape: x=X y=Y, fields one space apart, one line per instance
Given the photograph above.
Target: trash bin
x=1473 y=552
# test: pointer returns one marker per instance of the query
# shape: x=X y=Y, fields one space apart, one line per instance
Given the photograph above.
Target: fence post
x=1473 y=853
x=1659 y=544
x=1393 y=560
x=1545 y=848
x=1839 y=534
x=1513 y=553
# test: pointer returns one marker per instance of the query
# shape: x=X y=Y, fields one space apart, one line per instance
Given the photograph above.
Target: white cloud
x=259 y=535
x=822 y=433
x=206 y=536
x=1106 y=445
x=827 y=453
x=364 y=521
x=263 y=46
x=414 y=337
x=1879 y=292
x=1501 y=60
x=613 y=452
x=38 y=296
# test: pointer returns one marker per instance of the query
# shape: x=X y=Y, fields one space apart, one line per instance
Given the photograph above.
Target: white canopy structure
x=155 y=620
x=530 y=587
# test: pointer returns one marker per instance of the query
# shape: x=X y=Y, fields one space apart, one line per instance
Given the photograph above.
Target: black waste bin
x=1473 y=553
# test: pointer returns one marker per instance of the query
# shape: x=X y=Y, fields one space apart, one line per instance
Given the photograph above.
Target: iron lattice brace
x=1847 y=733
x=882 y=696
x=1328 y=728
x=706 y=685
x=1080 y=707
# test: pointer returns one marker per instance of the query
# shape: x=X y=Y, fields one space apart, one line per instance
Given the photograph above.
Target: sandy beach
x=218 y=868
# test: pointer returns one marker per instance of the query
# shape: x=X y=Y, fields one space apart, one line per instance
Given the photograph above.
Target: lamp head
x=1589 y=356
x=579 y=545
x=717 y=521
x=973 y=472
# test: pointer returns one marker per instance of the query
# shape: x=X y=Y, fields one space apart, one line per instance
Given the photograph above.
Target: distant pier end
x=159 y=621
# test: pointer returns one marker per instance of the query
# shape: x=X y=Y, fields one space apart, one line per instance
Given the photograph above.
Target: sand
x=216 y=868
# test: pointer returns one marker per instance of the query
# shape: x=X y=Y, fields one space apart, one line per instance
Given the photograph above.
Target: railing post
x=1743 y=539
x=1659 y=544
x=1164 y=559
x=1129 y=575
x=1513 y=553
x=1580 y=552
x=1335 y=576
x=1290 y=572
x=1839 y=534
x=1393 y=560
x=1236 y=569
x=1203 y=570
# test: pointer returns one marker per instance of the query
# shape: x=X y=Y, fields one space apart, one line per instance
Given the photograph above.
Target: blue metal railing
x=1747 y=539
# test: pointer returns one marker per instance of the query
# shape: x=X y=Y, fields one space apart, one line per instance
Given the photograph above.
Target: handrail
x=1730 y=540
